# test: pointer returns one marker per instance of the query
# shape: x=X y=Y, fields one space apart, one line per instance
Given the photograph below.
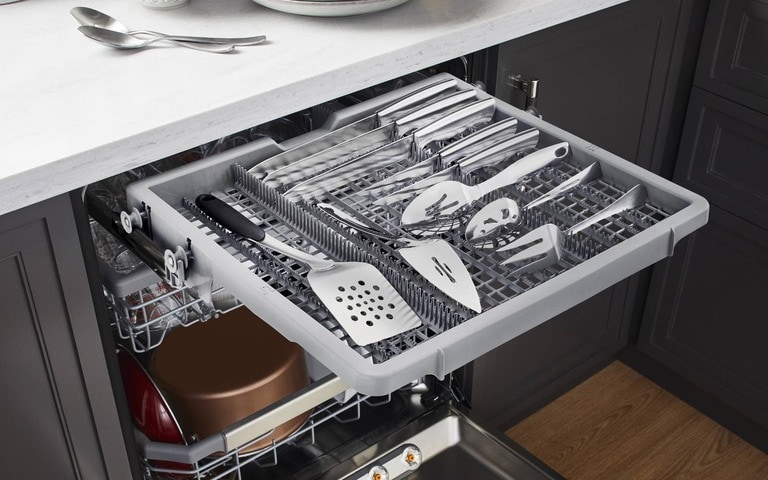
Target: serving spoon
x=89 y=17
x=125 y=41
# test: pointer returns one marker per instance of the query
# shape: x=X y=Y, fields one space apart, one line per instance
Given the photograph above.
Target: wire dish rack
x=145 y=316
x=230 y=465
x=275 y=287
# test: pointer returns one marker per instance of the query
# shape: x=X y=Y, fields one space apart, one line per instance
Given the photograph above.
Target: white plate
x=330 y=8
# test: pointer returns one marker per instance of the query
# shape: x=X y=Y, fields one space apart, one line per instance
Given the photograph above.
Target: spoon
x=125 y=41
x=93 y=18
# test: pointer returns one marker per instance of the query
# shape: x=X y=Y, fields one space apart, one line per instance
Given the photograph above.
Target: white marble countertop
x=74 y=111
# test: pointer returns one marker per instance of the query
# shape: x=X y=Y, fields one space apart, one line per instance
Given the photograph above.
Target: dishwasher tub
x=452 y=336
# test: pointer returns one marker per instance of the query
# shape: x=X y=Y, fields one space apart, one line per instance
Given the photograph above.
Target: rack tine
x=542 y=247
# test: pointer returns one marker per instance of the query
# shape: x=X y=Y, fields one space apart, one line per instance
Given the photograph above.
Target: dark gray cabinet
x=59 y=414
x=704 y=324
x=619 y=79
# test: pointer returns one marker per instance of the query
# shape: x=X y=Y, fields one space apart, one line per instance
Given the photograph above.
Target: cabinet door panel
x=58 y=414
x=725 y=156
x=705 y=317
x=604 y=77
x=31 y=418
x=734 y=54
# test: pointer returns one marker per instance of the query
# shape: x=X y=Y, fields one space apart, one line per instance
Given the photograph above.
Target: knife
x=386 y=115
x=403 y=150
x=362 y=144
x=499 y=152
x=449 y=154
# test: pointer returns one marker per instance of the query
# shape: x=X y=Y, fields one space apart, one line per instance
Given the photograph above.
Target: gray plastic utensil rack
x=274 y=287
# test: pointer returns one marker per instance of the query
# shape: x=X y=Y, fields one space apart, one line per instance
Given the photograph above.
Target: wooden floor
x=618 y=425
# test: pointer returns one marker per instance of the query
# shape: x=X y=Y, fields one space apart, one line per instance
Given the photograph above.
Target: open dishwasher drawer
x=513 y=298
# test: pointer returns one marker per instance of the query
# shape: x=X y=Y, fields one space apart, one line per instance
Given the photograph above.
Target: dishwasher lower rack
x=275 y=288
x=221 y=457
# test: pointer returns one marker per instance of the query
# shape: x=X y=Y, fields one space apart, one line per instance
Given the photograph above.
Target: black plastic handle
x=228 y=217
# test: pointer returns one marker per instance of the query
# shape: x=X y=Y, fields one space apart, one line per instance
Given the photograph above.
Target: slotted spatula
x=358 y=296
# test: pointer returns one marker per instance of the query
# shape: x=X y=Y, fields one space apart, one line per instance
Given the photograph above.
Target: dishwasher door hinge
x=529 y=87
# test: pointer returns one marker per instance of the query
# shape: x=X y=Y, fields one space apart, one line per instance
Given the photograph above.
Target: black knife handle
x=228 y=217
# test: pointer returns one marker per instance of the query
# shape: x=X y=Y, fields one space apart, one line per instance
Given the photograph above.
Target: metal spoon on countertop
x=124 y=41
x=93 y=18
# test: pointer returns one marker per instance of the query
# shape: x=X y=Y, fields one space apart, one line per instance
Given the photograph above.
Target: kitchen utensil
x=592 y=172
x=364 y=303
x=403 y=150
x=490 y=220
x=330 y=8
x=383 y=116
x=466 y=146
x=500 y=214
x=362 y=144
x=148 y=407
x=218 y=372
x=93 y=18
x=544 y=244
x=433 y=258
x=123 y=41
x=492 y=155
x=444 y=200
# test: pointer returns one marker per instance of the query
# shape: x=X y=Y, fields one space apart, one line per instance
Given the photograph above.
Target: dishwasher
x=541 y=222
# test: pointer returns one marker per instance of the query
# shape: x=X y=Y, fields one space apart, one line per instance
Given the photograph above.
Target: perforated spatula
x=358 y=296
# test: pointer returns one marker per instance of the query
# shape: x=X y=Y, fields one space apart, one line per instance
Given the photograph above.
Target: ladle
x=126 y=41
x=93 y=18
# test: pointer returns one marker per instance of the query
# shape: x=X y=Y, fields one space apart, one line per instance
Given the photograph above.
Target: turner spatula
x=359 y=297
x=434 y=258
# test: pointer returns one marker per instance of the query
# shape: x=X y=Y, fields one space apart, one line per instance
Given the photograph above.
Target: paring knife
x=464 y=147
x=499 y=152
x=362 y=144
x=386 y=115
x=403 y=150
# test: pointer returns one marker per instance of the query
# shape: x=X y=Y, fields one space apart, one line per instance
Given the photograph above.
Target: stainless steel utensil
x=407 y=149
x=490 y=220
x=400 y=107
x=492 y=155
x=358 y=296
x=465 y=146
x=444 y=200
x=93 y=18
x=544 y=244
x=349 y=150
x=124 y=41
x=592 y=172
x=433 y=258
